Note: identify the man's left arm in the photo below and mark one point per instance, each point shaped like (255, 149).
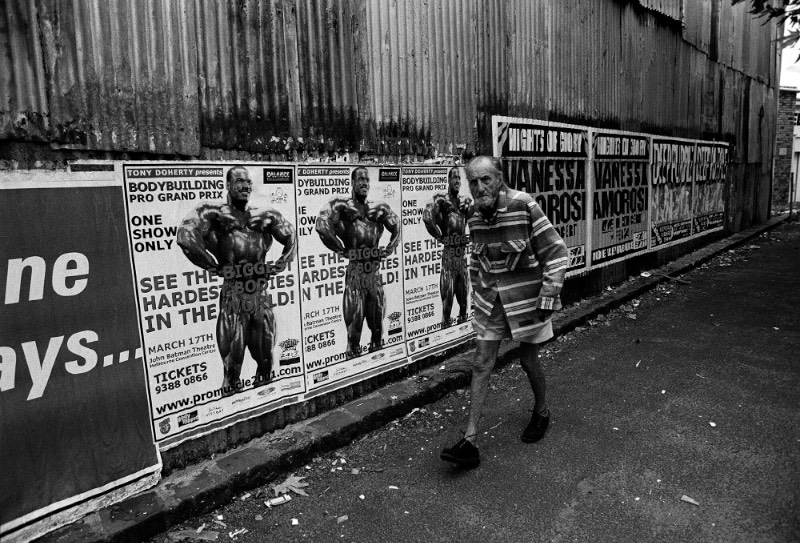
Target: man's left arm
(274, 224)
(553, 257)
(391, 222)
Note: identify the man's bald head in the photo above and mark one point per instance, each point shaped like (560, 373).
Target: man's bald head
(359, 183)
(485, 178)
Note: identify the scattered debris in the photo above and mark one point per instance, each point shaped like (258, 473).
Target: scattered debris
(192, 535)
(291, 484)
(237, 533)
(687, 499)
(245, 496)
(355, 471)
(712, 424)
(671, 278)
(341, 519)
(280, 500)
(639, 362)
(201, 528)
(701, 377)
(259, 518)
(219, 522)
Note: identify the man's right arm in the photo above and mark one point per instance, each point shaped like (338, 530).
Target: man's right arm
(192, 234)
(326, 221)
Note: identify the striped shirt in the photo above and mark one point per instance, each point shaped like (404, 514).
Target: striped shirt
(519, 256)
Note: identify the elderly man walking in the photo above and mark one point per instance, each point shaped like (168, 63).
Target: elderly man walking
(517, 270)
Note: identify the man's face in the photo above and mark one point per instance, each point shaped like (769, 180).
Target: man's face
(484, 184)
(240, 186)
(454, 182)
(360, 184)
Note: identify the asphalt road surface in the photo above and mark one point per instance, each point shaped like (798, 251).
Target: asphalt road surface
(691, 390)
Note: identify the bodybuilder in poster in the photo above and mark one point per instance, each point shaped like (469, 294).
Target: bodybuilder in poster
(445, 219)
(353, 228)
(231, 239)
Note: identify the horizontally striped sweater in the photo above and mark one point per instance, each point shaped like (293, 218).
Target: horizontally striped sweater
(518, 255)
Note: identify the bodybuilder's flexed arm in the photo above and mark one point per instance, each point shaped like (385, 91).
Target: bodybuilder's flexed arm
(195, 236)
(431, 213)
(383, 214)
(272, 224)
(327, 220)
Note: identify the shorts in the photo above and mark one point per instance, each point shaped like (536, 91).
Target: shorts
(496, 326)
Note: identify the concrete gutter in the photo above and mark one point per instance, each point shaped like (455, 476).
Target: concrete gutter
(205, 486)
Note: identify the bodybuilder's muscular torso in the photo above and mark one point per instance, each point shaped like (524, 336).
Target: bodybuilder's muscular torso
(358, 228)
(235, 237)
(451, 220)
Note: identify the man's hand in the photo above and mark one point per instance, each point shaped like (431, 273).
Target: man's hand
(543, 314)
(385, 251)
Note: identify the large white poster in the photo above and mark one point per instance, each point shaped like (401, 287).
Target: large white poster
(214, 250)
(436, 246)
(351, 279)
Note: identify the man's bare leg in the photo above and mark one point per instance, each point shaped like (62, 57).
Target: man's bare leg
(482, 365)
(540, 420)
(261, 343)
(375, 309)
(230, 341)
(461, 289)
(446, 291)
(529, 358)
(353, 312)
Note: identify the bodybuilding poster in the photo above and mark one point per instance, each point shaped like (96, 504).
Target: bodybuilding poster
(671, 191)
(73, 398)
(351, 283)
(550, 162)
(711, 163)
(620, 163)
(436, 245)
(214, 249)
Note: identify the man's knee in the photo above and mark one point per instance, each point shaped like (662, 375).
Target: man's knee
(485, 356)
(482, 365)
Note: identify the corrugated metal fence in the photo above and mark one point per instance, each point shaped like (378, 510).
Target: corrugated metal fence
(384, 77)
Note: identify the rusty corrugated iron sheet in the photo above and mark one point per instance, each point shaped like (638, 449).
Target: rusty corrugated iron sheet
(697, 23)
(23, 104)
(245, 86)
(421, 75)
(121, 74)
(385, 77)
(670, 8)
(746, 43)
